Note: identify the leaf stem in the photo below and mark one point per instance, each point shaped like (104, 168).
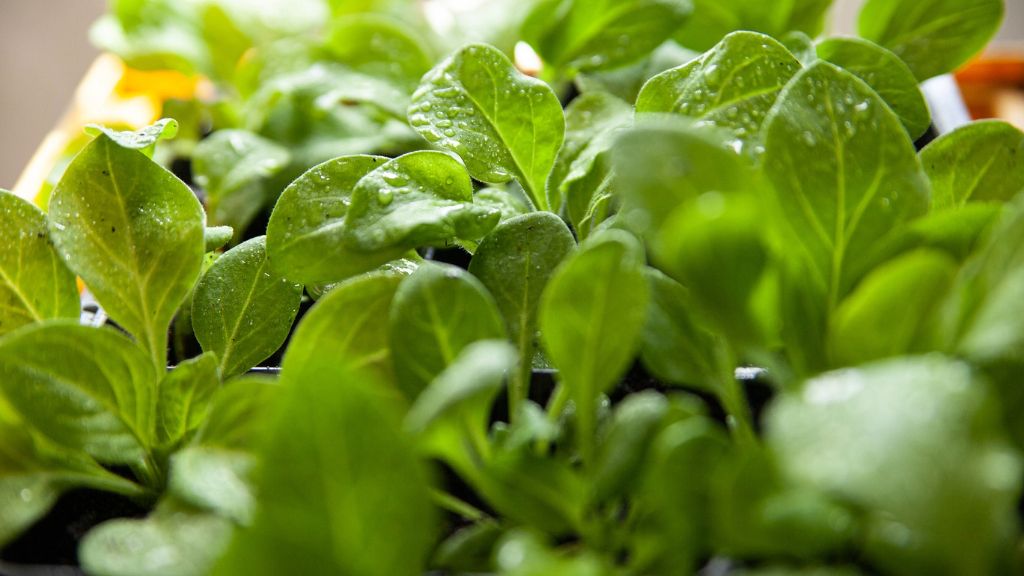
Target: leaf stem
(519, 386)
(455, 505)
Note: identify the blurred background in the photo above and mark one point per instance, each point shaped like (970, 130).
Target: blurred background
(45, 50)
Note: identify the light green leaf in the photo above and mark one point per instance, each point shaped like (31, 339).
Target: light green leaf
(800, 45)
(524, 554)
(502, 123)
(947, 502)
(214, 479)
(347, 325)
(34, 283)
(184, 398)
(865, 181)
(438, 311)
(979, 162)
(23, 501)
(592, 121)
(241, 310)
(584, 35)
(419, 199)
(508, 203)
(625, 83)
(134, 233)
(713, 19)
(238, 414)
(175, 540)
(379, 46)
(216, 237)
(932, 36)
(236, 169)
(143, 139)
(515, 263)
(733, 85)
(878, 320)
(369, 511)
(306, 239)
(886, 74)
(591, 317)
(87, 389)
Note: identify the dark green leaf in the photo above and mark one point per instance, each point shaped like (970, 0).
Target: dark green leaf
(591, 317)
(438, 311)
(306, 235)
(979, 162)
(184, 398)
(422, 198)
(947, 501)
(85, 388)
(34, 283)
(134, 233)
(503, 124)
(864, 183)
(932, 36)
(236, 169)
(585, 35)
(886, 74)
(726, 86)
(243, 311)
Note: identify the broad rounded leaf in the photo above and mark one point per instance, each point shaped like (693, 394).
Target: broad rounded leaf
(34, 283)
(503, 124)
(733, 85)
(422, 198)
(946, 502)
(865, 180)
(235, 168)
(243, 311)
(184, 398)
(591, 317)
(932, 36)
(88, 389)
(438, 311)
(979, 162)
(347, 325)
(214, 479)
(886, 74)
(306, 233)
(134, 233)
(379, 46)
(586, 35)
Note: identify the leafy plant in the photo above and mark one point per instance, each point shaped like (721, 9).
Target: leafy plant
(568, 300)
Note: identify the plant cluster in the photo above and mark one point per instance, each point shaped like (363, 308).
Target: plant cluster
(533, 306)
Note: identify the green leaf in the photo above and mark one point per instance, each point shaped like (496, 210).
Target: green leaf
(134, 233)
(238, 414)
(591, 317)
(592, 122)
(510, 204)
(34, 283)
(979, 162)
(625, 83)
(886, 74)
(515, 263)
(877, 320)
(143, 139)
(241, 310)
(23, 501)
(623, 450)
(948, 500)
(86, 389)
(932, 36)
(584, 35)
(674, 346)
(236, 169)
(438, 311)
(215, 480)
(306, 239)
(800, 45)
(726, 86)
(419, 199)
(503, 124)
(713, 19)
(864, 183)
(347, 325)
(216, 237)
(173, 541)
(524, 554)
(184, 398)
(369, 511)
(379, 46)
